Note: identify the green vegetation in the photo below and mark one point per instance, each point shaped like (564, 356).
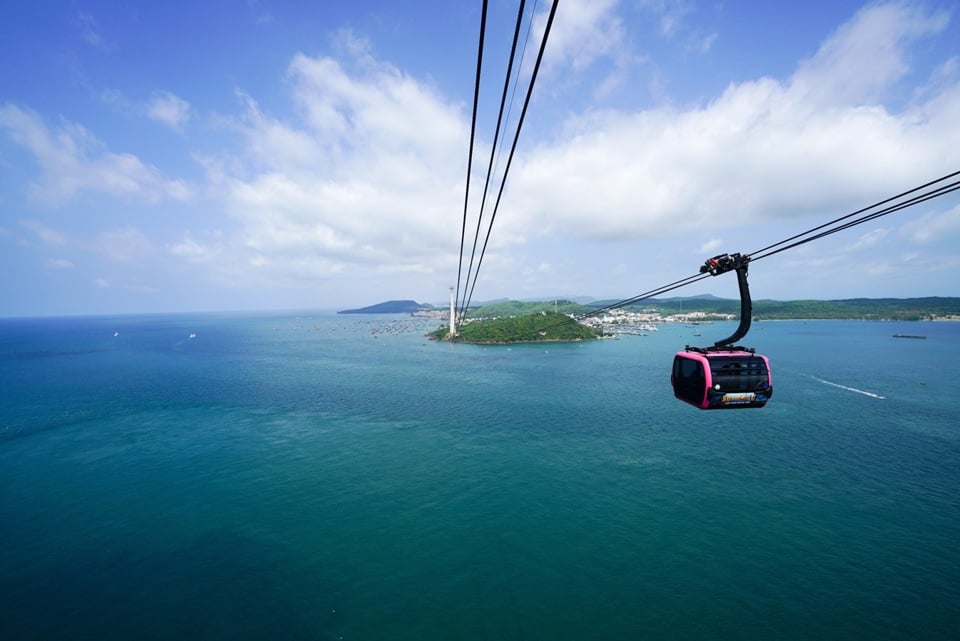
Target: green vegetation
(530, 328)
(517, 308)
(849, 309)
(530, 322)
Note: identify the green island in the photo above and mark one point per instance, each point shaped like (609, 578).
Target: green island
(538, 327)
(551, 321)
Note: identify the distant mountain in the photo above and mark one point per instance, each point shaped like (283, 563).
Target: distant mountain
(651, 302)
(852, 308)
(697, 297)
(390, 307)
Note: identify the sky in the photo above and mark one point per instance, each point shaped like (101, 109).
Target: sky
(270, 155)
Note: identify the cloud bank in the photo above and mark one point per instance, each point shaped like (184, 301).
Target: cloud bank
(355, 175)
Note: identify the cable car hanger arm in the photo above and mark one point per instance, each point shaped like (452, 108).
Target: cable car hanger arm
(720, 265)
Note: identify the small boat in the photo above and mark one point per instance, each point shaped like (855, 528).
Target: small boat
(907, 336)
(193, 335)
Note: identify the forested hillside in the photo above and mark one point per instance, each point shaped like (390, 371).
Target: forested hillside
(530, 328)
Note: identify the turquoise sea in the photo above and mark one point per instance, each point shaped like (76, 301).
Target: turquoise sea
(314, 476)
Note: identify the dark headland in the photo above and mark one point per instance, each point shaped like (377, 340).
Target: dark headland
(390, 307)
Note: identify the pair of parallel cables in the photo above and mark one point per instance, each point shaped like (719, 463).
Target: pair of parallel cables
(469, 285)
(923, 193)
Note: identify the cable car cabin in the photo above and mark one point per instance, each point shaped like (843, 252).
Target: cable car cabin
(712, 380)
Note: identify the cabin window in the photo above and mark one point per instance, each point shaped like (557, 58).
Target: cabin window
(689, 380)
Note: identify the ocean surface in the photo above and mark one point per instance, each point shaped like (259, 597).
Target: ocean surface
(314, 476)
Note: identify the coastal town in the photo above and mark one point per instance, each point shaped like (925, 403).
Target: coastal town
(615, 318)
(620, 321)
(542, 325)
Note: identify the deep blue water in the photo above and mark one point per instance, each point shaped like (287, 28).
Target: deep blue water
(342, 477)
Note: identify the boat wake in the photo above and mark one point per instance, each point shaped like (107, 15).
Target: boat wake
(849, 389)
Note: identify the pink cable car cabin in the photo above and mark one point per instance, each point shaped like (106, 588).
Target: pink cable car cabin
(724, 376)
(732, 379)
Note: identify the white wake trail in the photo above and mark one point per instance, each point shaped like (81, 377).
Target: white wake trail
(849, 389)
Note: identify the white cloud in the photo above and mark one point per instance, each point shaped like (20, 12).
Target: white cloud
(863, 59)
(59, 263)
(582, 32)
(934, 227)
(868, 240)
(369, 171)
(382, 106)
(170, 110)
(90, 31)
(47, 236)
(710, 246)
(258, 14)
(371, 175)
(73, 161)
(764, 149)
(365, 177)
(194, 252)
(671, 14)
(672, 17)
(588, 42)
(124, 245)
(703, 44)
